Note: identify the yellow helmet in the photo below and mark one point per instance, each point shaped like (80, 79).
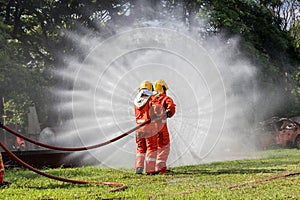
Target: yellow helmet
(146, 85)
(161, 86)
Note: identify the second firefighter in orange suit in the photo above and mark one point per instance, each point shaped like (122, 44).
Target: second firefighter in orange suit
(146, 136)
(164, 108)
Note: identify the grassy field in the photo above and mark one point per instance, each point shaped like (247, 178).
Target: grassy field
(263, 178)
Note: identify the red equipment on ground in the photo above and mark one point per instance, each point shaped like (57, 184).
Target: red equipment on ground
(286, 131)
(289, 133)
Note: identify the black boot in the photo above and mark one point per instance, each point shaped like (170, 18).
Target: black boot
(5, 183)
(139, 170)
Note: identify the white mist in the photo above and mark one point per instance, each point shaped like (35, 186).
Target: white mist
(212, 86)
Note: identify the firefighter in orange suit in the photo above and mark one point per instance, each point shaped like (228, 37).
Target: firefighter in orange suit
(146, 136)
(164, 108)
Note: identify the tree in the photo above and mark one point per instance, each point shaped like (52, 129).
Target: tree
(35, 40)
(295, 33)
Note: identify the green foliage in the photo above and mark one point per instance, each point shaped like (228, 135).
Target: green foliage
(295, 33)
(34, 39)
(16, 110)
(203, 181)
(263, 41)
(255, 23)
(18, 85)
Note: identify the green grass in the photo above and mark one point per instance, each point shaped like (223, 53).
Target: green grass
(204, 181)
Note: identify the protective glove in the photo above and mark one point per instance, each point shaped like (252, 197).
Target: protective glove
(168, 113)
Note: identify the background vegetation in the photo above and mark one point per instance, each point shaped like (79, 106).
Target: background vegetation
(34, 43)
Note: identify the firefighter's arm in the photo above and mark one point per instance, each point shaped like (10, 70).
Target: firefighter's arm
(170, 111)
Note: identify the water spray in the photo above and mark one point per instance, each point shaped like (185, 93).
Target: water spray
(104, 85)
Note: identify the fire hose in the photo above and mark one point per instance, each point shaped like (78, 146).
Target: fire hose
(73, 148)
(263, 180)
(120, 186)
(116, 184)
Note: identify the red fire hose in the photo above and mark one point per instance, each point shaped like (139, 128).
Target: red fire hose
(263, 180)
(115, 184)
(73, 148)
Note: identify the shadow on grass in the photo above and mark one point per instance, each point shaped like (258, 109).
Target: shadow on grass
(225, 171)
(64, 186)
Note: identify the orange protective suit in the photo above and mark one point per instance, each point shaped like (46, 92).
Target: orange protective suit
(165, 107)
(146, 136)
